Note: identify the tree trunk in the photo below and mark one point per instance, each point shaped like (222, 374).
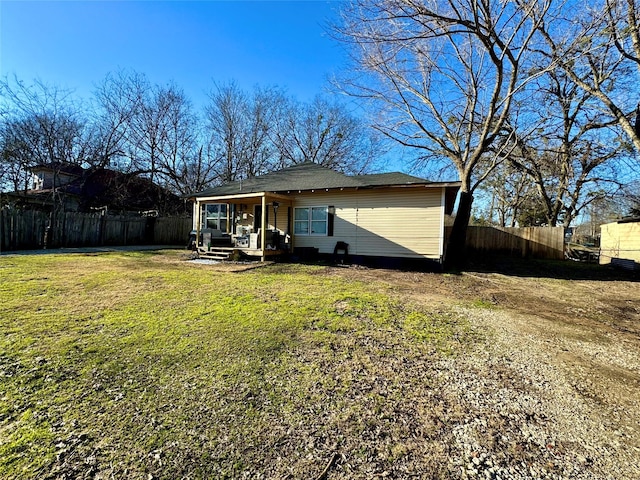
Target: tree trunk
(456, 253)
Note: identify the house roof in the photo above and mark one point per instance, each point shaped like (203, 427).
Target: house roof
(311, 176)
(391, 178)
(629, 220)
(60, 167)
(98, 187)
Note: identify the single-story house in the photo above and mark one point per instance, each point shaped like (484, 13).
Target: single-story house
(308, 208)
(620, 243)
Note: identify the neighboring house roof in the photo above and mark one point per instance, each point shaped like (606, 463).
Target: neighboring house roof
(125, 192)
(311, 176)
(98, 187)
(59, 167)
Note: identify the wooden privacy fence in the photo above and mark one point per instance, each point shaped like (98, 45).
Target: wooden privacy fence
(532, 242)
(31, 229)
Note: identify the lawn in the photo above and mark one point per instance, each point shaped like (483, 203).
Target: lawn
(142, 365)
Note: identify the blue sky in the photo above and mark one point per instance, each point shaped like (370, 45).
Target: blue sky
(74, 44)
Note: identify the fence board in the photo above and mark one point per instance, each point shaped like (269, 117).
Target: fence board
(532, 242)
(32, 229)
(171, 231)
(22, 229)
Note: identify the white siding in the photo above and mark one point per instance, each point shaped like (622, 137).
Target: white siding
(392, 222)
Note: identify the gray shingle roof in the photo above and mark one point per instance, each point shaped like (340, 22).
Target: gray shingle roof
(309, 176)
(391, 178)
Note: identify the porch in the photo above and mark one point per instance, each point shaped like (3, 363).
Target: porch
(253, 224)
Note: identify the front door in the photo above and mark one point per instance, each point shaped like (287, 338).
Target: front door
(257, 218)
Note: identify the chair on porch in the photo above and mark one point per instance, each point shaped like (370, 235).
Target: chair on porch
(275, 239)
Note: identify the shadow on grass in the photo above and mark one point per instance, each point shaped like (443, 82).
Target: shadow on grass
(560, 269)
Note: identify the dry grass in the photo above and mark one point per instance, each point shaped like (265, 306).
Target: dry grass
(139, 365)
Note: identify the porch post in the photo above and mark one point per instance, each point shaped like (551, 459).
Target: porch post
(197, 215)
(263, 228)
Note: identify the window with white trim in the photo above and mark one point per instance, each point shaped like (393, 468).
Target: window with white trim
(214, 215)
(310, 220)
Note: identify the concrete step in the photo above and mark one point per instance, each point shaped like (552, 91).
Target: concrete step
(215, 253)
(222, 258)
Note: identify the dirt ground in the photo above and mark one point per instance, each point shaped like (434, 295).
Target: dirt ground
(581, 322)
(560, 371)
(553, 391)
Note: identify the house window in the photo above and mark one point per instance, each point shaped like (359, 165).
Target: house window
(214, 215)
(38, 182)
(310, 221)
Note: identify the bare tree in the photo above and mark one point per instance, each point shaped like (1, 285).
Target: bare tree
(326, 133)
(624, 30)
(630, 199)
(508, 190)
(242, 129)
(257, 151)
(179, 161)
(117, 100)
(198, 172)
(150, 130)
(46, 119)
(598, 48)
(255, 133)
(444, 74)
(39, 125)
(571, 156)
(15, 160)
(225, 122)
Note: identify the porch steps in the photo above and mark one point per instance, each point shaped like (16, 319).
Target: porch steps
(216, 253)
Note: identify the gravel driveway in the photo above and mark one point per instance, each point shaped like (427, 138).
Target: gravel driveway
(554, 392)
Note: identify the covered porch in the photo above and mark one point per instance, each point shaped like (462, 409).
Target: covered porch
(253, 224)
